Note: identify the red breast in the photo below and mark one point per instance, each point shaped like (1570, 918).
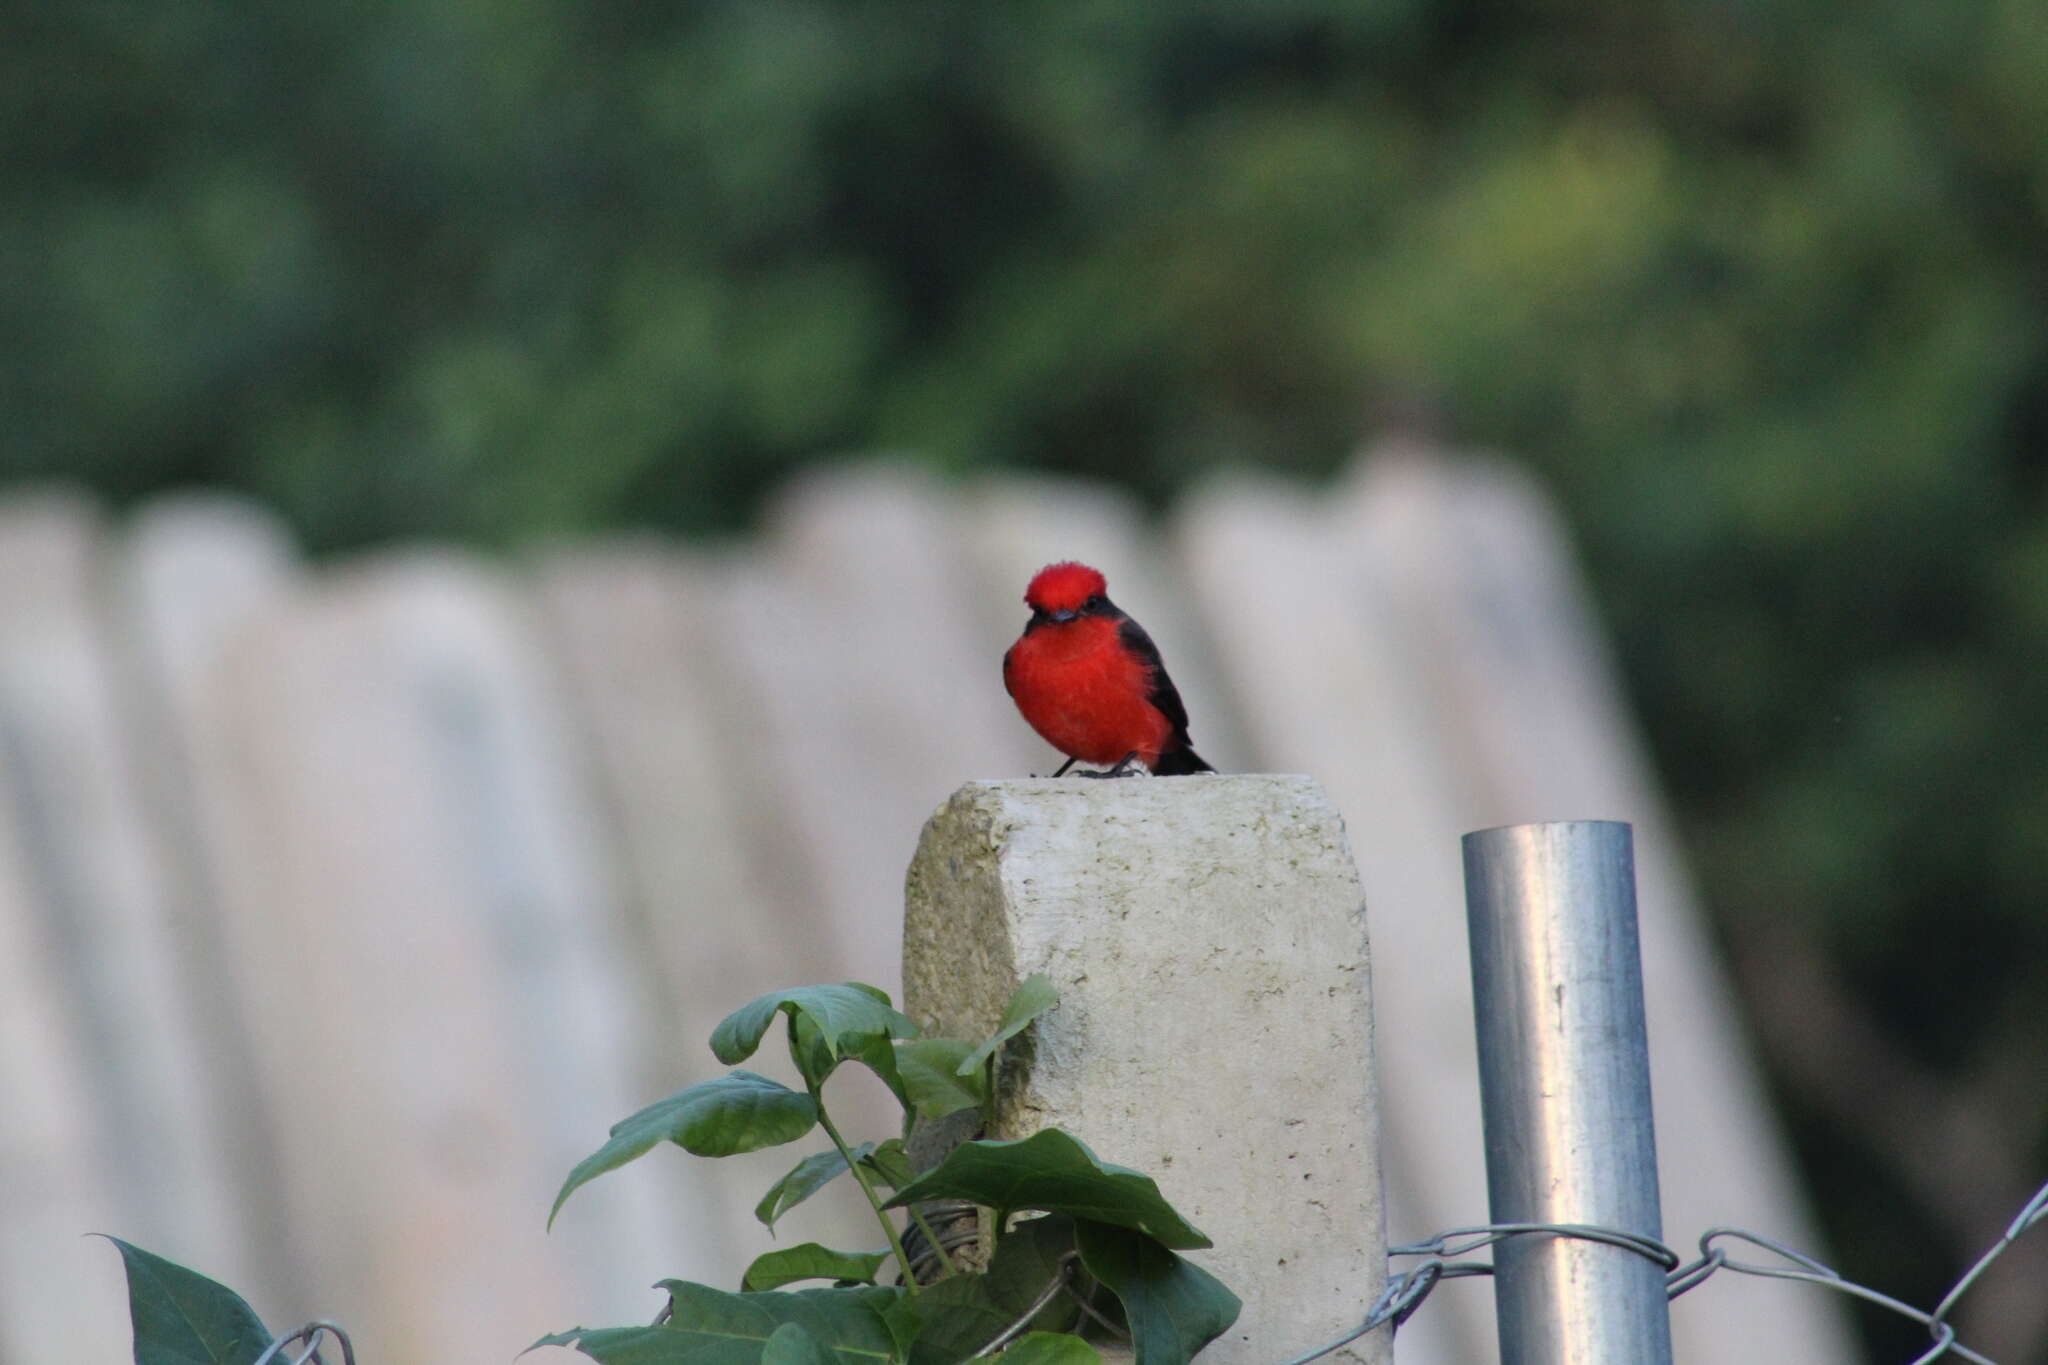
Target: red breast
(1085, 692)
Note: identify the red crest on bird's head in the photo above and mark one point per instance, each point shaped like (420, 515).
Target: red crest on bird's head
(1063, 587)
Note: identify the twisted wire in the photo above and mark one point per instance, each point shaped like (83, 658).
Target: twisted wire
(1406, 1290)
(308, 1338)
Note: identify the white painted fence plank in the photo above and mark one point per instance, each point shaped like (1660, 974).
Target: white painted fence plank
(61, 1294)
(189, 575)
(194, 571)
(93, 888)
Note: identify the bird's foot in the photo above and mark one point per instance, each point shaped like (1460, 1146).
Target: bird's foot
(1127, 766)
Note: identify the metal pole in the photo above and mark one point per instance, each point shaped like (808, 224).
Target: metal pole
(1564, 1081)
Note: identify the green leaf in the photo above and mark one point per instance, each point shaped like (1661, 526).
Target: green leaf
(902, 1320)
(1048, 1348)
(790, 1344)
(874, 992)
(890, 1163)
(963, 1314)
(183, 1318)
(877, 1052)
(805, 1179)
(1032, 998)
(1173, 1307)
(774, 1269)
(708, 1326)
(738, 1112)
(1056, 1173)
(815, 1060)
(956, 1318)
(934, 1083)
(845, 1017)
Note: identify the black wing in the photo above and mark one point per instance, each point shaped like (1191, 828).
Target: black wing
(1164, 694)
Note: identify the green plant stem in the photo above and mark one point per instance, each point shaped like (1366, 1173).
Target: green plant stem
(945, 1261)
(867, 1188)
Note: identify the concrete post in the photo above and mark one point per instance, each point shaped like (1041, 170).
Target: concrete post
(1207, 937)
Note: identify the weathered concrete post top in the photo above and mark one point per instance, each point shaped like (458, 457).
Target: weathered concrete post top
(1207, 937)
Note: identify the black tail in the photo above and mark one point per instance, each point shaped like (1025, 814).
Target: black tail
(1179, 763)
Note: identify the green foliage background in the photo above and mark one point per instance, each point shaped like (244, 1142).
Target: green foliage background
(1760, 287)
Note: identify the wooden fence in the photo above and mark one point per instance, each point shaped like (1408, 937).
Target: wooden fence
(343, 908)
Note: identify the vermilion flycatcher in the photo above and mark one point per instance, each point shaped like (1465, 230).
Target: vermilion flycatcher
(1088, 678)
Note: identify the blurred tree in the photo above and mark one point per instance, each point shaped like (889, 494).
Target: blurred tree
(1760, 286)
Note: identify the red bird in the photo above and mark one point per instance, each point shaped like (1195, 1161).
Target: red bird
(1088, 678)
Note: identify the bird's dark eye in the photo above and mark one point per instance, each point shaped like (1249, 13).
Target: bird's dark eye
(1092, 603)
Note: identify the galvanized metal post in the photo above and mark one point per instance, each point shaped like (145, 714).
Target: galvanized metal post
(1564, 1078)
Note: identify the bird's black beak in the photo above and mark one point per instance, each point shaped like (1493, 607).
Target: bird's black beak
(1063, 615)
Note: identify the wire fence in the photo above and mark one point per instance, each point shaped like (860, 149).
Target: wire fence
(308, 1340)
(1406, 1291)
